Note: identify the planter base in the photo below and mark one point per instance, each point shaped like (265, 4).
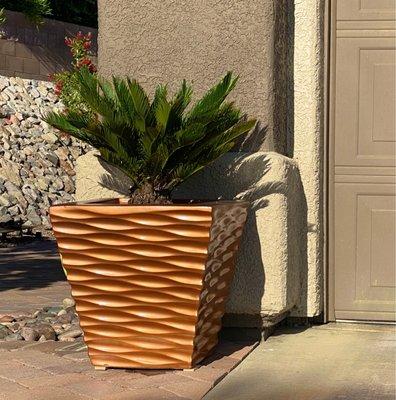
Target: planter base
(150, 282)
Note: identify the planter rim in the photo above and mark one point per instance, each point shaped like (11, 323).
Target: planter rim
(123, 201)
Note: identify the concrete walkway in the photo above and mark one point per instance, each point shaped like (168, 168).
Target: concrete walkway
(329, 362)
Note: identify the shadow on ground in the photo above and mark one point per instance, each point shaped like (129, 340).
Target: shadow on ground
(31, 266)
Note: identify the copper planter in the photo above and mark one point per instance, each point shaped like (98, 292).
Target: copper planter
(150, 282)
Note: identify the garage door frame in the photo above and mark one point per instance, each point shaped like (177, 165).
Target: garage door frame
(329, 153)
(329, 84)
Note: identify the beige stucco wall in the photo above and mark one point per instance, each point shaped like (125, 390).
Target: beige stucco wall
(309, 136)
(166, 41)
(275, 46)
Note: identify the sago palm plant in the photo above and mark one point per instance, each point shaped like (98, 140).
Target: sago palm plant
(157, 143)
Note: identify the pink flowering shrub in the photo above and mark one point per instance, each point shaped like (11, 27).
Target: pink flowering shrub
(65, 81)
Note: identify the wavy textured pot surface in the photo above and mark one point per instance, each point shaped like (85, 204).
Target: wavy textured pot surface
(150, 282)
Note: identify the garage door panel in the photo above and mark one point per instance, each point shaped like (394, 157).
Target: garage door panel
(364, 248)
(365, 102)
(366, 10)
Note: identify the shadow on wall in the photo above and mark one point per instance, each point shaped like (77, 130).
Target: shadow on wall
(226, 179)
(287, 192)
(271, 274)
(254, 140)
(283, 115)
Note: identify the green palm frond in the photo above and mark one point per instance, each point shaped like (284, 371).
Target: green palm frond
(158, 141)
(162, 112)
(213, 99)
(139, 98)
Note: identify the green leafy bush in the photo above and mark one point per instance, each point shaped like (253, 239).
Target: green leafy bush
(157, 143)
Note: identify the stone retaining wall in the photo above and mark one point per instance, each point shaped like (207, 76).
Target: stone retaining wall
(36, 165)
(28, 52)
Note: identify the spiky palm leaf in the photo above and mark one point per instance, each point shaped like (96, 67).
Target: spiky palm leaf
(156, 142)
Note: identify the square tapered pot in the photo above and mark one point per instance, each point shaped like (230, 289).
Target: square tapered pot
(150, 282)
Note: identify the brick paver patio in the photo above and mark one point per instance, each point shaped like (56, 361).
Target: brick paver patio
(30, 278)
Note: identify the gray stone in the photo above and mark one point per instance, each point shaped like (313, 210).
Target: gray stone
(29, 334)
(14, 210)
(57, 328)
(13, 336)
(42, 90)
(3, 83)
(62, 153)
(69, 185)
(28, 151)
(4, 331)
(53, 158)
(45, 330)
(10, 171)
(65, 318)
(7, 318)
(6, 144)
(34, 218)
(57, 184)
(15, 327)
(75, 152)
(43, 183)
(46, 223)
(68, 302)
(54, 310)
(15, 193)
(34, 93)
(50, 137)
(4, 200)
(70, 334)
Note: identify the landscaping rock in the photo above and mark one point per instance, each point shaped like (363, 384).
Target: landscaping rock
(70, 334)
(48, 323)
(68, 302)
(29, 334)
(13, 337)
(54, 310)
(65, 318)
(46, 330)
(36, 161)
(6, 318)
(4, 331)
